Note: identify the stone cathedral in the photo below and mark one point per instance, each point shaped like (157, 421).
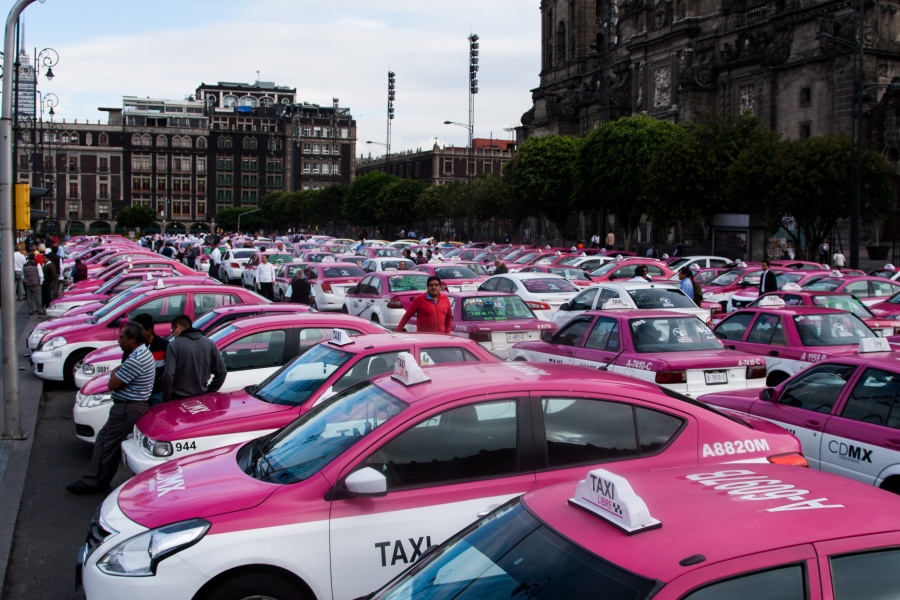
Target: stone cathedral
(792, 63)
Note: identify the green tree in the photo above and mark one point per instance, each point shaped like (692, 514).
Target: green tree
(397, 202)
(140, 217)
(227, 219)
(438, 203)
(542, 176)
(612, 167)
(361, 199)
(810, 180)
(688, 175)
(494, 201)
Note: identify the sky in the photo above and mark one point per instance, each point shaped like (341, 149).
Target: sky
(166, 48)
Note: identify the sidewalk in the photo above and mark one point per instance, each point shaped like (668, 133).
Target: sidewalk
(15, 454)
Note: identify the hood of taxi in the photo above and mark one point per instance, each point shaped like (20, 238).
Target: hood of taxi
(98, 384)
(82, 332)
(62, 322)
(84, 311)
(213, 414)
(79, 298)
(201, 485)
(104, 355)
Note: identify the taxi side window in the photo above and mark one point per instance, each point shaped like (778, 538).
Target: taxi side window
(490, 285)
(366, 368)
(163, 310)
(733, 328)
(374, 286)
(475, 441)
(867, 576)
(784, 583)
(874, 399)
(604, 335)
(584, 300)
(579, 430)
(437, 356)
(368, 266)
(505, 285)
(860, 289)
(882, 288)
(572, 334)
(264, 349)
(767, 330)
(310, 336)
(817, 388)
(203, 303)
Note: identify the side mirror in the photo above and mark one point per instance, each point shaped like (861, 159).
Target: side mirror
(564, 306)
(366, 482)
(768, 394)
(547, 336)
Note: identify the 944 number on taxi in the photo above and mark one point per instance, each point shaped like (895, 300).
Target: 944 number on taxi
(184, 446)
(735, 447)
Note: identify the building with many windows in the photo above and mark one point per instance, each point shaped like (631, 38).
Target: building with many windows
(227, 146)
(443, 165)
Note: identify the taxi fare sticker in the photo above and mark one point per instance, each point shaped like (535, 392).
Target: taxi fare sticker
(747, 485)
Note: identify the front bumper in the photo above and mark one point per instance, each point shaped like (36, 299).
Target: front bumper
(49, 364)
(89, 421)
(136, 459)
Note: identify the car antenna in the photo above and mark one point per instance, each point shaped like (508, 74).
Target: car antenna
(615, 358)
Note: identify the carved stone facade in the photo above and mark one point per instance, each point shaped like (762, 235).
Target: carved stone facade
(677, 59)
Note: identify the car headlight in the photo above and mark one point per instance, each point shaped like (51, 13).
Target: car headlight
(54, 343)
(707, 294)
(93, 400)
(160, 448)
(87, 369)
(140, 555)
(39, 333)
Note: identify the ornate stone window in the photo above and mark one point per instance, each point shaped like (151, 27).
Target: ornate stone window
(662, 86)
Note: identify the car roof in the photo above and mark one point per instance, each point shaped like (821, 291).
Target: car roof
(641, 313)
(299, 317)
(736, 525)
(793, 310)
(450, 380)
(530, 275)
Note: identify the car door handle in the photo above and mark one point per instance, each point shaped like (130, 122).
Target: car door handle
(811, 423)
(891, 443)
(773, 353)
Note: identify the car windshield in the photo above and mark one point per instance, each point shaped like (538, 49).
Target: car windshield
(678, 263)
(117, 301)
(479, 270)
(845, 302)
(236, 254)
(549, 285)
(205, 320)
(835, 329)
(728, 277)
(309, 443)
(510, 554)
(407, 283)
(392, 252)
(221, 332)
(572, 273)
(278, 258)
(704, 277)
(293, 384)
(604, 269)
(824, 285)
(672, 334)
(455, 273)
(343, 271)
(526, 258)
(782, 278)
(661, 298)
(495, 308)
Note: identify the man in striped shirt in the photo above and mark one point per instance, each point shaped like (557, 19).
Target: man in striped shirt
(131, 384)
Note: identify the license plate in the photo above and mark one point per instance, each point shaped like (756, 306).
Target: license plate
(716, 377)
(516, 337)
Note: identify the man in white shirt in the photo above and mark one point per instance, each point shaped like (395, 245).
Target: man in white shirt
(265, 277)
(19, 262)
(215, 257)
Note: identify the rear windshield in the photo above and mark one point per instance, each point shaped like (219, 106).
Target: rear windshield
(407, 283)
(847, 303)
(549, 285)
(661, 298)
(345, 271)
(243, 253)
(399, 265)
(495, 308)
(672, 334)
(831, 329)
(455, 273)
(824, 285)
(572, 273)
(277, 259)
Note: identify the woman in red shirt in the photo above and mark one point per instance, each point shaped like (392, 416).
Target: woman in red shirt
(432, 310)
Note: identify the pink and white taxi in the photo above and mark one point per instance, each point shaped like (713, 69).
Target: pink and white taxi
(773, 532)
(384, 296)
(454, 277)
(791, 338)
(543, 293)
(676, 351)
(109, 289)
(61, 349)
(97, 279)
(340, 500)
(845, 412)
(329, 282)
(176, 429)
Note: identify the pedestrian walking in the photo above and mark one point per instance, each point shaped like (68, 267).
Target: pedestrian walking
(191, 359)
(838, 260)
(689, 285)
(131, 384)
(652, 252)
(595, 240)
(19, 262)
(50, 285)
(33, 277)
(431, 309)
(190, 257)
(265, 277)
(610, 240)
(79, 271)
(767, 282)
(157, 346)
(215, 258)
(499, 267)
(299, 290)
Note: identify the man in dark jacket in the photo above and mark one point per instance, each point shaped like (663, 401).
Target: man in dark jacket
(191, 360)
(157, 346)
(80, 272)
(767, 281)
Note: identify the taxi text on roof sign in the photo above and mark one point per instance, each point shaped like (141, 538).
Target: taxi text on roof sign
(407, 371)
(615, 303)
(771, 302)
(339, 337)
(610, 497)
(874, 345)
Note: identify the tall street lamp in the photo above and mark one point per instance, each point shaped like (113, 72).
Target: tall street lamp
(859, 77)
(470, 164)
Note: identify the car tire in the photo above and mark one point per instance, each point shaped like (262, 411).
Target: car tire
(345, 310)
(374, 319)
(281, 296)
(252, 586)
(892, 485)
(75, 359)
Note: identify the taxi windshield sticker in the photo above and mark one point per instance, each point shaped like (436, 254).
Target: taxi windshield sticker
(498, 308)
(407, 283)
(548, 286)
(681, 336)
(342, 272)
(277, 259)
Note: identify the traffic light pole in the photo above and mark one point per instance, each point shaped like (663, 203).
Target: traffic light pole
(12, 426)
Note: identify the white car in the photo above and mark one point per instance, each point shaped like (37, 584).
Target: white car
(543, 293)
(588, 263)
(388, 263)
(329, 282)
(384, 296)
(632, 294)
(232, 266)
(700, 262)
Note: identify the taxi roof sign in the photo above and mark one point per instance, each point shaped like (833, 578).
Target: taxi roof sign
(875, 344)
(340, 337)
(791, 287)
(407, 371)
(610, 497)
(771, 302)
(328, 259)
(159, 285)
(150, 277)
(615, 303)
